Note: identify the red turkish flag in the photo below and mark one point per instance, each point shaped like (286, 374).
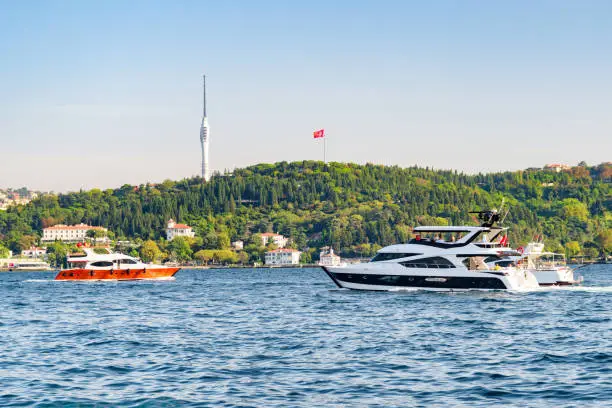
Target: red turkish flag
(504, 241)
(318, 133)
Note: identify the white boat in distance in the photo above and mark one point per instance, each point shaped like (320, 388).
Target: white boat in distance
(448, 260)
(549, 268)
(28, 265)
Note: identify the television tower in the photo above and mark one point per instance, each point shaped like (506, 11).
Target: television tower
(204, 133)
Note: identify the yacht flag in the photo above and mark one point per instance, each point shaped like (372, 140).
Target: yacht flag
(504, 241)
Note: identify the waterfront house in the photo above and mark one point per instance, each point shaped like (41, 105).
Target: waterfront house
(34, 252)
(283, 256)
(178, 230)
(328, 258)
(69, 233)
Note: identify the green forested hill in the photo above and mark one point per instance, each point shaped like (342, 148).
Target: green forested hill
(354, 207)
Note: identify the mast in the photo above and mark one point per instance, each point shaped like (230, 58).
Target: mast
(204, 133)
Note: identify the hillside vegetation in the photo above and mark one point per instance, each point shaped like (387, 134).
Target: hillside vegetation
(356, 208)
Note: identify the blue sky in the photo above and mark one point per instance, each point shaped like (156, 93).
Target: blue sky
(99, 94)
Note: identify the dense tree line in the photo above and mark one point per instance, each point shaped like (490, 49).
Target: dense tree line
(355, 208)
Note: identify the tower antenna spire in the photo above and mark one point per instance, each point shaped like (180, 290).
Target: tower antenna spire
(204, 96)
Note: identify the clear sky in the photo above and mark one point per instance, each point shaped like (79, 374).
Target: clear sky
(103, 93)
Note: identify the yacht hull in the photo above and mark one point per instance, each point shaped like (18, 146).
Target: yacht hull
(428, 279)
(556, 277)
(116, 274)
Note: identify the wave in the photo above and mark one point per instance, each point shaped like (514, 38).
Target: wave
(91, 281)
(595, 289)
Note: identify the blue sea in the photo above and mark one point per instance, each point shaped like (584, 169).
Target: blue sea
(290, 338)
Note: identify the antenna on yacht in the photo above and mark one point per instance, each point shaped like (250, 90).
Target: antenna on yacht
(505, 215)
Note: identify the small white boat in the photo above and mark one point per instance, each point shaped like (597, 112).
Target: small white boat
(549, 268)
(28, 265)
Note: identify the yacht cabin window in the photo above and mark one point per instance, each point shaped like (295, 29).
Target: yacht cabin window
(388, 256)
(125, 261)
(102, 263)
(434, 262)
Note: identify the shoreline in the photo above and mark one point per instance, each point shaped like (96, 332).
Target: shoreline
(198, 267)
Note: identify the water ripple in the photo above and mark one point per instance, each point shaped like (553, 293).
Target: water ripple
(281, 337)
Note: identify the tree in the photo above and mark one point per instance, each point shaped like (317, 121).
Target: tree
(4, 252)
(572, 248)
(371, 203)
(574, 208)
(180, 249)
(604, 241)
(226, 256)
(204, 255)
(149, 251)
(95, 234)
(57, 254)
(210, 241)
(255, 240)
(243, 257)
(26, 242)
(223, 240)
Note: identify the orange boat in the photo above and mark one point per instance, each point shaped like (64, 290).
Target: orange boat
(112, 266)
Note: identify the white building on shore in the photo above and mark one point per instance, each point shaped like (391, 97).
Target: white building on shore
(279, 240)
(174, 230)
(283, 256)
(328, 258)
(34, 252)
(69, 233)
(556, 167)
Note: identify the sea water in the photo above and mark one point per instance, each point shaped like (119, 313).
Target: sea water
(290, 338)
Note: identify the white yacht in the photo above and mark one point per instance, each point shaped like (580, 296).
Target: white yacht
(439, 259)
(549, 268)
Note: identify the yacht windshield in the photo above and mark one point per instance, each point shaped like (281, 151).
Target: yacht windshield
(475, 263)
(388, 256)
(126, 261)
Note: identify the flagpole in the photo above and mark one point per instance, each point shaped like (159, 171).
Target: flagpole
(318, 134)
(324, 149)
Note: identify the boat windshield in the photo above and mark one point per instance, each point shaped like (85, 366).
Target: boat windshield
(448, 237)
(546, 261)
(126, 261)
(388, 256)
(475, 263)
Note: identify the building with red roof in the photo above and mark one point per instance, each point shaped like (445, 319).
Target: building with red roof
(178, 230)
